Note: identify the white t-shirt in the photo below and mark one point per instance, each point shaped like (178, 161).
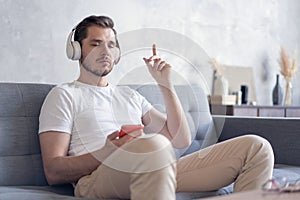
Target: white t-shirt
(90, 113)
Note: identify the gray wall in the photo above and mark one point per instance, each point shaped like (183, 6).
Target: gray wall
(236, 32)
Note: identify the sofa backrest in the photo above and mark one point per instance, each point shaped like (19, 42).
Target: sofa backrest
(195, 105)
(20, 103)
(20, 158)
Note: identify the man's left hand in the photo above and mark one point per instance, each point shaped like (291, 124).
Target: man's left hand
(158, 68)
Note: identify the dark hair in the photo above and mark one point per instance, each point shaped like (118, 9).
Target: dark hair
(102, 21)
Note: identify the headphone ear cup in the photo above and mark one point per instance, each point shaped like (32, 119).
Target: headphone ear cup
(73, 48)
(76, 50)
(69, 46)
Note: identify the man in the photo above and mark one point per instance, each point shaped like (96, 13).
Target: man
(80, 123)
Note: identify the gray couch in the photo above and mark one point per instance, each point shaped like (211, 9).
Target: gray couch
(21, 169)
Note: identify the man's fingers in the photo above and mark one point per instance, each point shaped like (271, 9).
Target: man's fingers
(154, 50)
(153, 61)
(113, 136)
(161, 65)
(146, 60)
(157, 63)
(151, 58)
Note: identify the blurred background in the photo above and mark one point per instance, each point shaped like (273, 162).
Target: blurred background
(235, 32)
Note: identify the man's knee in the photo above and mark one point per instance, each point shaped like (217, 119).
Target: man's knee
(149, 143)
(142, 155)
(259, 146)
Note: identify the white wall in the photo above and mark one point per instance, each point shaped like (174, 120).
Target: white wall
(236, 32)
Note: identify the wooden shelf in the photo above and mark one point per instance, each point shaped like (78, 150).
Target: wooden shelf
(257, 111)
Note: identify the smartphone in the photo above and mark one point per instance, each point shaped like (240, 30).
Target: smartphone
(125, 129)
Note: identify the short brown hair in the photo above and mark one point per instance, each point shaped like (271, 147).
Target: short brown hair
(102, 21)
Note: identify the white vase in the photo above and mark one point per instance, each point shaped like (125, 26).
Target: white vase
(220, 86)
(288, 94)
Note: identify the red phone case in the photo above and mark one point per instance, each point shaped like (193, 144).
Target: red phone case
(125, 129)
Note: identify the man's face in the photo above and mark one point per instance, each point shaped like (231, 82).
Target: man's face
(99, 51)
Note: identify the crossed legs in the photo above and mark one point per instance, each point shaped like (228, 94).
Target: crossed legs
(247, 161)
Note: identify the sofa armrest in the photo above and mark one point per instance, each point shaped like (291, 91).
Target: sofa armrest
(282, 133)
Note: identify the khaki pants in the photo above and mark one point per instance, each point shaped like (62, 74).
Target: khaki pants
(247, 161)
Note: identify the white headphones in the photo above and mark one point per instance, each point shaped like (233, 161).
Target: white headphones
(73, 48)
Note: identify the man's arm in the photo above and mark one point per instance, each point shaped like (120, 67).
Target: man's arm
(60, 168)
(175, 126)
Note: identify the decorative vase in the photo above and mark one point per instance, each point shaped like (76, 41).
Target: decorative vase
(288, 93)
(277, 92)
(220, 86)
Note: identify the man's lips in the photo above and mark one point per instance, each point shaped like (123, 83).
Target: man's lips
(100, 60)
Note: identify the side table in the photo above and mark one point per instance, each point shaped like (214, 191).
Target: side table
(256, 111)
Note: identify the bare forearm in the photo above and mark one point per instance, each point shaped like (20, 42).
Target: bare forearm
(60, 168)
(176, 120)
(70, 168)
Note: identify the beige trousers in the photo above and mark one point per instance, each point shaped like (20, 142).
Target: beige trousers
(247, 161)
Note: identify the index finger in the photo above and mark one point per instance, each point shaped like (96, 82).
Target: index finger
(154, 50)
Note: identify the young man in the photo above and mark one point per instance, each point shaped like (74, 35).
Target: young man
(80, 123)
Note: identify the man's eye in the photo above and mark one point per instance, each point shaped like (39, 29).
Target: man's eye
(111, 45)
(95, 44)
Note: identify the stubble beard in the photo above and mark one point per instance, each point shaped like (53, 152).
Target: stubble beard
(98, 73)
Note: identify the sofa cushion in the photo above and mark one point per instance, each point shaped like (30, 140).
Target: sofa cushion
(22, 170)
(20, 159)
(36, 193)
(291, 173)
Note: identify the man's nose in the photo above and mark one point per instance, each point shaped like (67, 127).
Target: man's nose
(105, 50)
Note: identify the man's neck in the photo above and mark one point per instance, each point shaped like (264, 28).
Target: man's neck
(95, 81)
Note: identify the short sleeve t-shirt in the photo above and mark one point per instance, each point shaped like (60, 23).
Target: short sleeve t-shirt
(90, 113)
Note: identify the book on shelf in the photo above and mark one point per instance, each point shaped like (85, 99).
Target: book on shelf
(222, 99)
